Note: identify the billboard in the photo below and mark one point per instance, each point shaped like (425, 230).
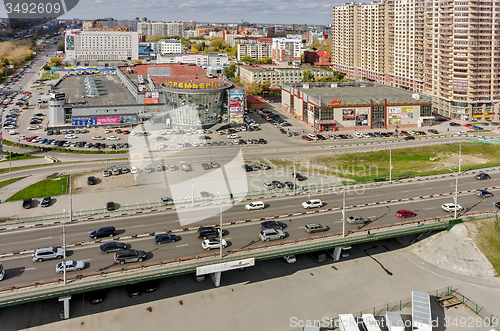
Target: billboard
(236, 106)
(70, 42)
(108, 120)
(398, 113)
(225, 266)
(151, 98)
(84, 121)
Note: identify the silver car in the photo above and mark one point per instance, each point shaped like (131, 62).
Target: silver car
(70, 266)
(271, 234)
(47, 253)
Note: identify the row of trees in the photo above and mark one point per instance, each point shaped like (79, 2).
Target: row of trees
(13, 54)
(249, 59)
(334, 77)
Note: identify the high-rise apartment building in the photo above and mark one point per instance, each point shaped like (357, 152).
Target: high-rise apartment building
(448, 49)
(286, 50)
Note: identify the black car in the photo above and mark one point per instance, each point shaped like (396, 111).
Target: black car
(135, 289)
(129, 255)
(96, 297)
(27, 203)
(497, 204)
(262, 141)
(107, 231)
(299, 177)
(321, 137)
(482, 176)
(454, 124)
(207, 232)
(45, 202)
(272, 225)
(205, 194)
(206, 166)
(91, 180)
(289, 184)
(247, 167)
(277, 184)
(111, 247)
(165, 238)
(110, 206)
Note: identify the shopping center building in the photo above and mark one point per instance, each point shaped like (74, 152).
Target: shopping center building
(355, 106)
(178, 94)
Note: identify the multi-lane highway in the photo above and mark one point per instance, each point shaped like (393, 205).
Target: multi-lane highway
(21, 269)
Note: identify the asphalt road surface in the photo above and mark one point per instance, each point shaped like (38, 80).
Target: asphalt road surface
(23, 270)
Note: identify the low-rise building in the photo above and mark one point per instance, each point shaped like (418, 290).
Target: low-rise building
(170, 46)
(277, 75)
(352, 106)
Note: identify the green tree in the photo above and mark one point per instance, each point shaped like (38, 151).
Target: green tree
(247, 58)
(230, 72)
(254, 88)
(46, 67)
(307, 76)
(265, 87)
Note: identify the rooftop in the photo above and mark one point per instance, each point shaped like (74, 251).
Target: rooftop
(179, 73)
(356, 93)
(111, 92)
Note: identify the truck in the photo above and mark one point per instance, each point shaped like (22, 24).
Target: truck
(347, 322)
(184, 166)
(319, 257)
(393, 321)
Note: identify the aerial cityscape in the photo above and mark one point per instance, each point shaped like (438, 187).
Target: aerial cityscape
(250, 166)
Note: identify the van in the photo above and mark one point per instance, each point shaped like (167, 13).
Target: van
(115, 171)
(255, 205)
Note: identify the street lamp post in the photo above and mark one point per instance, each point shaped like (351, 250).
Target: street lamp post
(10, 165)
(220, 225)
(456, 192)
(343, 209)
(294, 173)
(192, 187)
(106, 151)
(390, 165)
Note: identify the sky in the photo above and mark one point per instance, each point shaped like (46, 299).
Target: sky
(312, 12)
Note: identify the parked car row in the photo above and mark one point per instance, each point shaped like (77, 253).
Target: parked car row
(68, 143)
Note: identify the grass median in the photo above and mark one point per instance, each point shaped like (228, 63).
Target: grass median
(10, 181)
(406, 162)
(47, 187)
(17, 157)
(487, 238)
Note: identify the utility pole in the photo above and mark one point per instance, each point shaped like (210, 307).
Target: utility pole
(343, 209)
(10, 165)
(390, 166)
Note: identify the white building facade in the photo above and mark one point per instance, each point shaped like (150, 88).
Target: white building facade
(101, 45)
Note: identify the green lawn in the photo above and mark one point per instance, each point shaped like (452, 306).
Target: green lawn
(49, 76)
(406, 162)
(17, 157)
(10, 181)
(488, 241)
(47, 187)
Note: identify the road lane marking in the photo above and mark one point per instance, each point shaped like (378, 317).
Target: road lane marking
(29, 269)
(182, 245)
(86, 260)
(45, 238)
(136, 226)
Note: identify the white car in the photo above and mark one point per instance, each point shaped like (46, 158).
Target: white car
(133, 170)
(451, 207)
(290, 258)
(113, 138)
(70, 136)
(313, 203)
(233, 136)
(12, 132)
(195, 144)
(357, 135)
(97, 138)
(70, 266)
(106, 130)
(208, 244)
(33, 127)
(200, 131)
(83, 130)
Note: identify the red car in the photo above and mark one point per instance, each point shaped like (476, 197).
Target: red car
(405, 133)
(306, 138)
(31, 138)
(403, 213)
(126, 131)
(467, 125)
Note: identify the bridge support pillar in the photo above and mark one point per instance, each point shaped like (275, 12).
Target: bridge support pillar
(65, 312)
(216, 278)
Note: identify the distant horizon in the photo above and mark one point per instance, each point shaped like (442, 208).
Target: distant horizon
(312, 12)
